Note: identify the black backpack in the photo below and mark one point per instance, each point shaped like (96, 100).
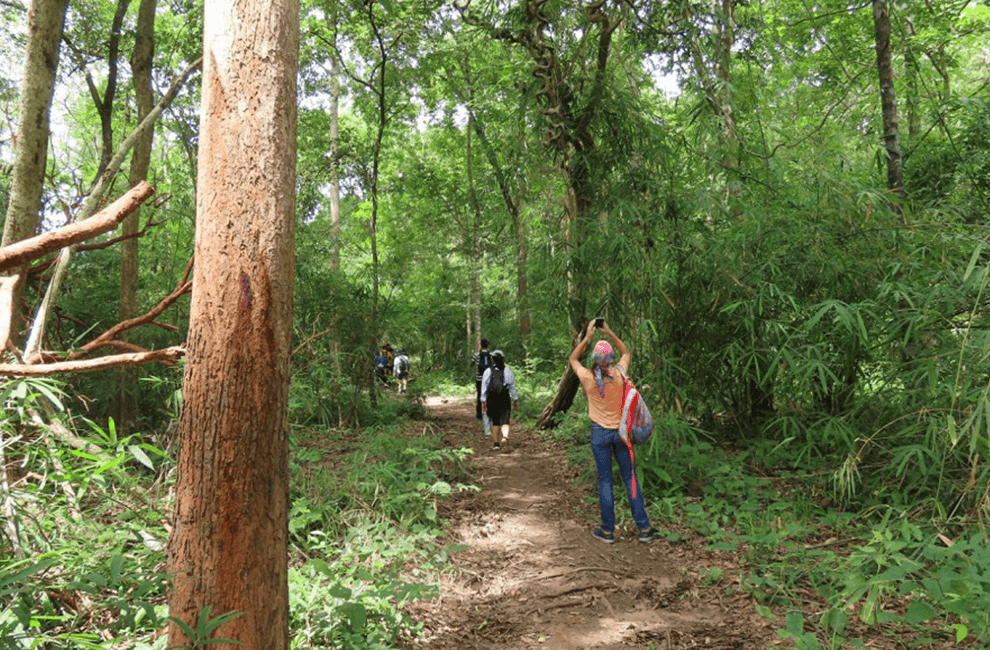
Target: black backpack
(496, 384)
(484, 361)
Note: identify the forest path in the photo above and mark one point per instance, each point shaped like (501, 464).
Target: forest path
(534, 577)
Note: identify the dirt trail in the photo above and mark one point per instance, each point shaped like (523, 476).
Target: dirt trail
(533, 577)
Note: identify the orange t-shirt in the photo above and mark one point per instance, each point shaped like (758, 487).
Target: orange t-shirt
(607, 411)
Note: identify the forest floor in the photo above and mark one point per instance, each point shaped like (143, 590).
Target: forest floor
(533, 576)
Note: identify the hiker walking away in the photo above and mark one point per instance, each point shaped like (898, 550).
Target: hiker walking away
(498, 396)
(381, 363)
(401, 369)
(603, 384)
(482, 360)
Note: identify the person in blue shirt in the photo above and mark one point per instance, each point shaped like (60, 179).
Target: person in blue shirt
(498, 396)
(381, 363)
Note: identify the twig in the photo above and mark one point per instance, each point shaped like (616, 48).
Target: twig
(830, 542)
(309, 341)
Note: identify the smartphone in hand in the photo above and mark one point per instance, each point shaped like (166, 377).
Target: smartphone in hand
(599, 322)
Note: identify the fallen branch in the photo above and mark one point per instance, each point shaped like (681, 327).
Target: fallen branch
(109, 338)
(61, 433)
(22, 252)
(544, 598)
(165, 355)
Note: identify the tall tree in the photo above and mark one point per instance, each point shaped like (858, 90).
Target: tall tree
(105, 104)
(141, 60)
(474, 302)
(45, 23)
(378, 35)
(570, 53)
(228, 546)
(888, 102)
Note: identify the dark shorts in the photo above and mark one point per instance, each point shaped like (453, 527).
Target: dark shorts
(500, 410)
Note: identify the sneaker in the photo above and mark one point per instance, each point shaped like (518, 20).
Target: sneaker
(604, 535)
(505, 444)
(495, 446)
(648, 535)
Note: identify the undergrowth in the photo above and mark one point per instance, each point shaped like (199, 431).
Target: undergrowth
(828, 575)
(82, 547)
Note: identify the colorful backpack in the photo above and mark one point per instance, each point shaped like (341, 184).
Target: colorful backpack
(636, 425)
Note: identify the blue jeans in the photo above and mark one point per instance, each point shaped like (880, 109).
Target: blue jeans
(605, 443)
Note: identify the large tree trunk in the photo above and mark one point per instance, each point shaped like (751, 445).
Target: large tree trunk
(45, 22)
(141, 59)
(228, 546)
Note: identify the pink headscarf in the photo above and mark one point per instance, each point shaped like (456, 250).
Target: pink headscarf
(601, 358)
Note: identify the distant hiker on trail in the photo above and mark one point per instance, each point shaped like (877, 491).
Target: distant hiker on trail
(482, 361)
(389, 353)
(498, 396)
(401, 368)
(381, 365)
(603, 385)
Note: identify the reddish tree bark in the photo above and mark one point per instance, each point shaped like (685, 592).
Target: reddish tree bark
(228, 546)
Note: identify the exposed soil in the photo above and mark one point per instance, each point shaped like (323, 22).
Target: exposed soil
(534, 577)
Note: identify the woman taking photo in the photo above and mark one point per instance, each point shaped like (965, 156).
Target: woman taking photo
(602, 385)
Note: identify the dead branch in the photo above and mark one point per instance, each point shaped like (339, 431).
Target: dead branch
(62, 434)
(24, 251)
(169, 327)
(165, 355)
(309, 341)
(124, 346)
(109, 337)
(110, 242)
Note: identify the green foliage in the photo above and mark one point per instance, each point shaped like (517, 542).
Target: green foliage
(797, 324)
(205, 627)
(355, 597)
(385, 475)
(21, 395)
(359, 516)
(939, 577)
(363, 524)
